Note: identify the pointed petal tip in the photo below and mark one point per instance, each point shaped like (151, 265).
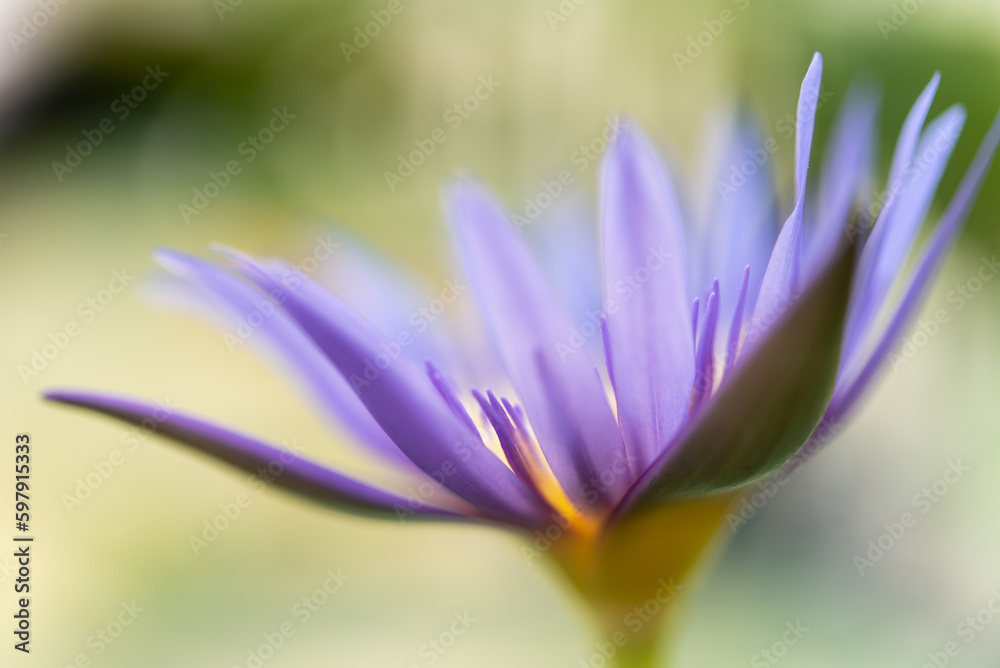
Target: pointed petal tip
(300, 474)
(628, 141)
(163, 251)
(457, 182)
(815, 70)
(175, 261)
(865, 92)
(245, 265)
(464, 183)
(85, 398)
(465, 199)
(77, 397)
(932, 86)
(57, 395)
(227, 250)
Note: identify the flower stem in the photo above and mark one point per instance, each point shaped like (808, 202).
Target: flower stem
(640, 653)
(632, 575)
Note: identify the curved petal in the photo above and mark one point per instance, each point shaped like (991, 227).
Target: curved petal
(564, 238)
(847, 172)
(743, 221)
(395, 301)
(296, 474)
(890, 242)
(553, 376)
(767, 406)
(909, 134)
(932, 156)
(859, 313)
(260, 319)
(403, 401)
(645, 288)
(705, 354)
(849, 389)
(736, 326)
(781, 278)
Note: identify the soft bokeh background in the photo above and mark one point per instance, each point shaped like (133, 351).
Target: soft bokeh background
(60, 241)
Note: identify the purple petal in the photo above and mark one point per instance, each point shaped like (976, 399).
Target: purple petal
(282, 337)
(849, 389)
(890, 242)
(805, 119)
(736, 326)
(705, 357)
(564, 237)
(909, 134)
(645, 279)
(766, 408)
(532, 332)
(932, 156)
(606, 340)
(446, 388)
(297, 474)
(695, 306)
(389, 298)
(860, 312)
(505, 432)
(847, 171)
(743, 220)
(403, 401)
(781, 279)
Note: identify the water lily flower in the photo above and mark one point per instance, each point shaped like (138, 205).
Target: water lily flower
(723, 349)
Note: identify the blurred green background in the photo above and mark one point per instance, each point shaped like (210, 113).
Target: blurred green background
(562, 72)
